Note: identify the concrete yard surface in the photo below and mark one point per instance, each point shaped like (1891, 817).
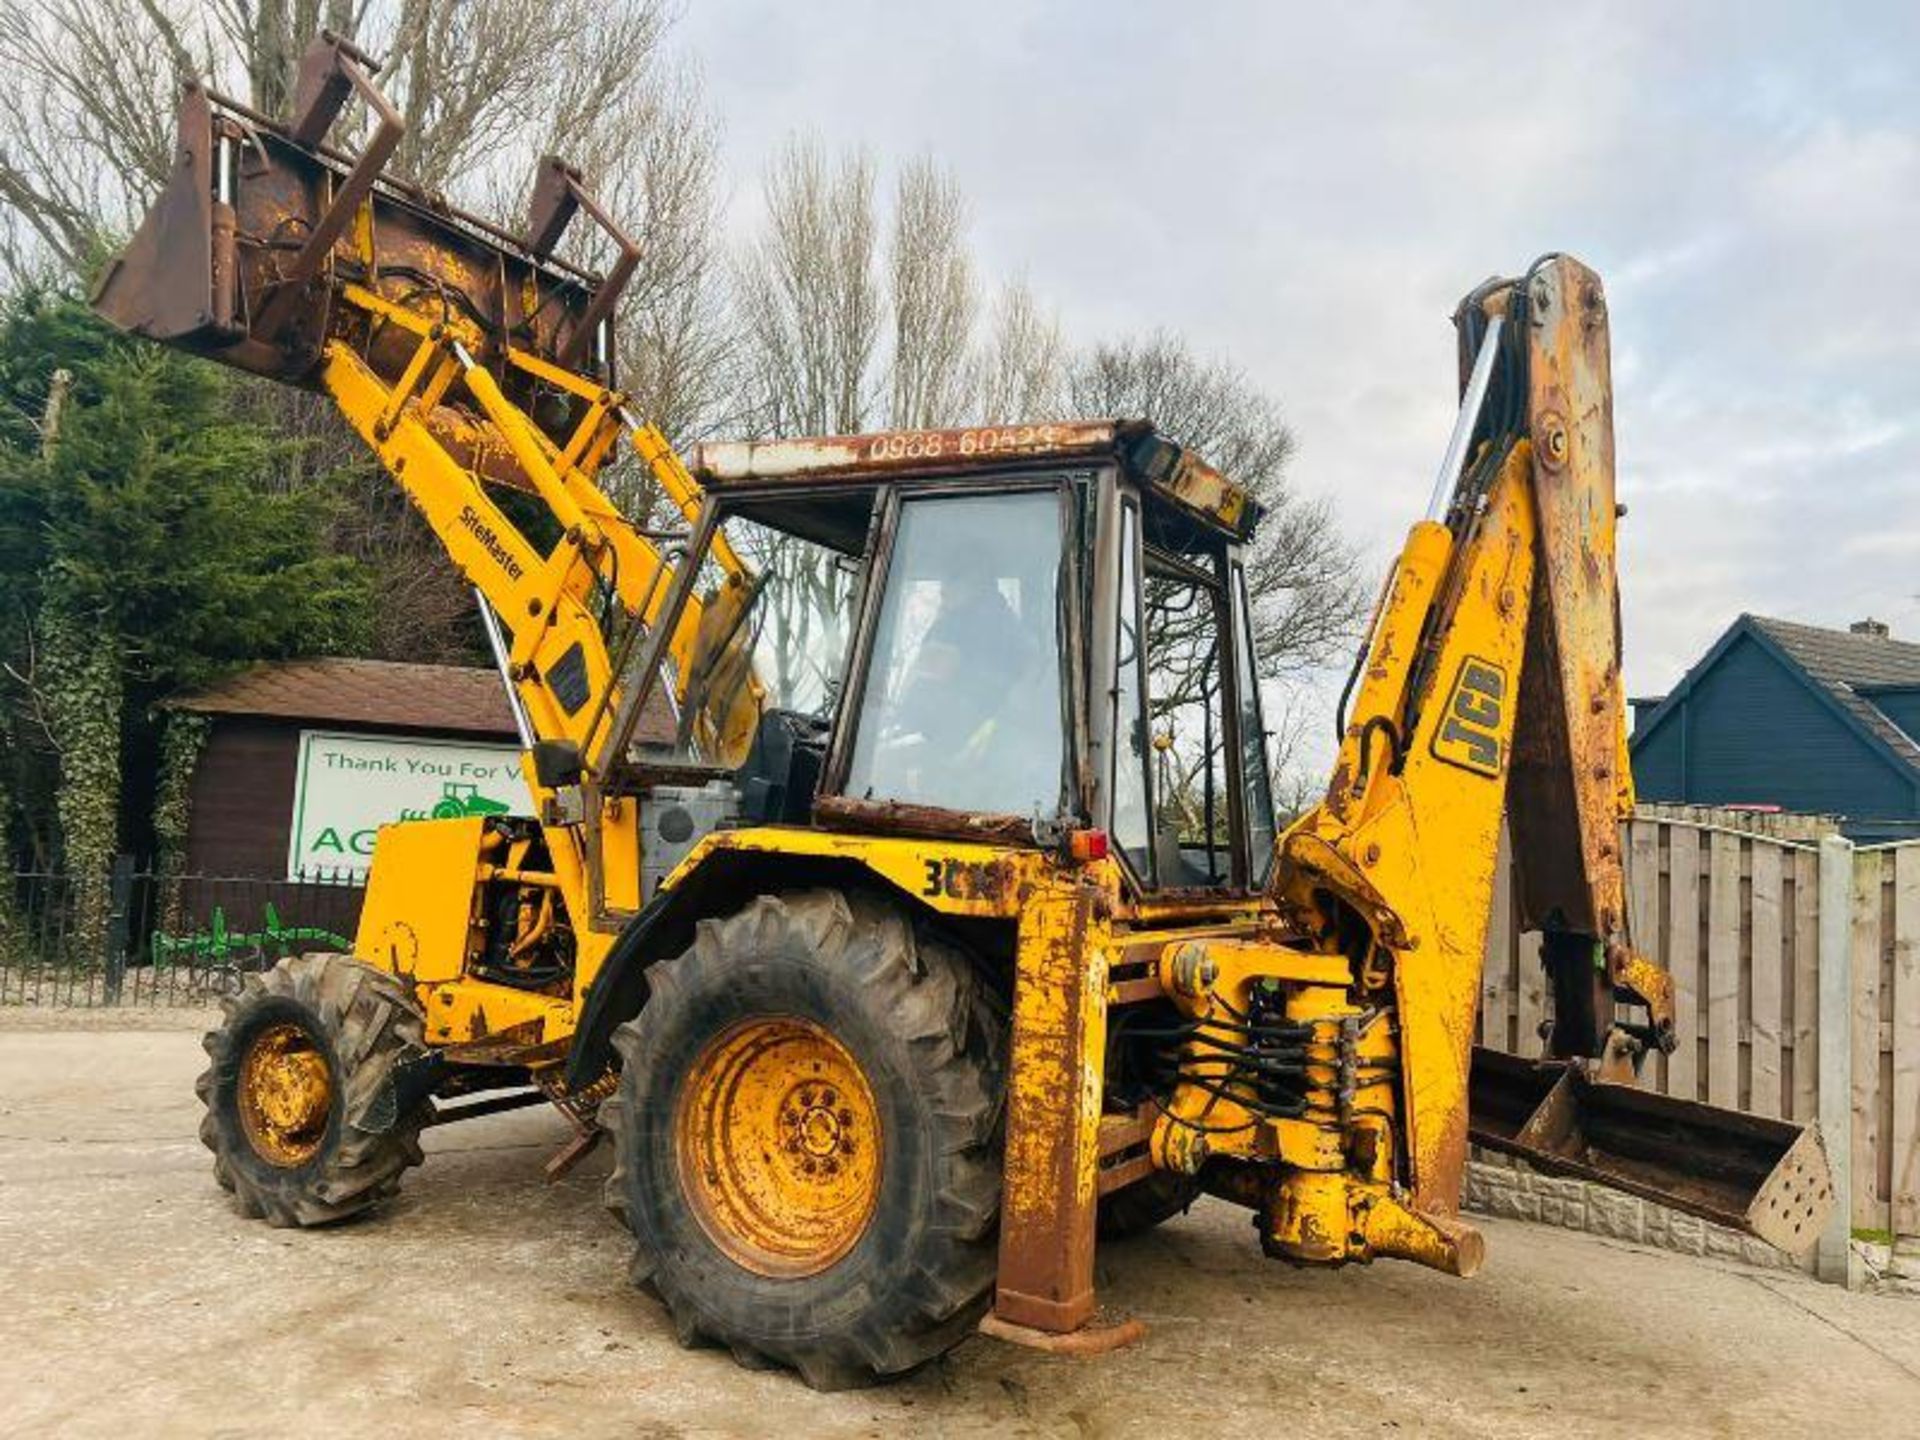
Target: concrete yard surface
(483, 1302)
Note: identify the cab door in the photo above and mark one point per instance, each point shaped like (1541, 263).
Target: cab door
(1187, 798)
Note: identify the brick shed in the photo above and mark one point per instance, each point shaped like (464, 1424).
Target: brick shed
(242, 801)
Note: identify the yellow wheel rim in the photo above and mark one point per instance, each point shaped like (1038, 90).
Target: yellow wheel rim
(779, 1146)
(286, 1095)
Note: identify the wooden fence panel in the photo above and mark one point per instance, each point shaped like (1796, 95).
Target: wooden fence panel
(1526, 982)
(1644, 920)
(1867, 1208)
(1683, 957)
(1765, 1087)
(1496, 973)
(1806, 985)
(1723, 968)
(1731, 911)
(1906, 1041)
(1532, 1003)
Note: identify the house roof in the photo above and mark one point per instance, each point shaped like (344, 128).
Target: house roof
(1848, 665)
(384, 693)
(1843, 668)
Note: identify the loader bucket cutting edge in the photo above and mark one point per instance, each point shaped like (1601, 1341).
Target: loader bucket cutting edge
(1763, 1177)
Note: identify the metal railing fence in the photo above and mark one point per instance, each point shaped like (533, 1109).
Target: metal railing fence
(139, 936)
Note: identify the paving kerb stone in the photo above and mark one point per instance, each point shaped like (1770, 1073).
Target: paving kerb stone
(1498, 1185)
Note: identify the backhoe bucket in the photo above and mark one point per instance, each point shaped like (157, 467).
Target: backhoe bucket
(1762, 1177)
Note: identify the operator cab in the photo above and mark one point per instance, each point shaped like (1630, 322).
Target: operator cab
(1005, 632)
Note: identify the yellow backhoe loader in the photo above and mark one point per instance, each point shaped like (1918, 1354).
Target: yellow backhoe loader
(953, 930)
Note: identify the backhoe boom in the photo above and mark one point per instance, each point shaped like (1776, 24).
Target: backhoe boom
(1491, 685)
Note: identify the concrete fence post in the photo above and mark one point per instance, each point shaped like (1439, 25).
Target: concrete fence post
(1834, 1255)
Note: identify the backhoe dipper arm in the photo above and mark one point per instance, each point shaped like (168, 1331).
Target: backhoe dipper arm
(1571, 785)
(1492, 680)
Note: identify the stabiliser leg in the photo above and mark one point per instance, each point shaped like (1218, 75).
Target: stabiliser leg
(1050, 1192)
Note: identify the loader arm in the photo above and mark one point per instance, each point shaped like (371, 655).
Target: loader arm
(1491, 684)
(470, 360)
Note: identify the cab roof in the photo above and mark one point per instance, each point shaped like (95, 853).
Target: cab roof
(1165, 470)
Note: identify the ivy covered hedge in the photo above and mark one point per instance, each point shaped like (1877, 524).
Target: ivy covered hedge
(153, 536)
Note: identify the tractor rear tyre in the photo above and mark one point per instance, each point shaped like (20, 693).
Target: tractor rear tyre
(303, 1109)
(807, 1136)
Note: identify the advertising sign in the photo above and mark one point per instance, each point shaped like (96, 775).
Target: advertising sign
(348, 786)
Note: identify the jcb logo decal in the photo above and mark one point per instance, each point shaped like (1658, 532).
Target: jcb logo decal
(1469, 734)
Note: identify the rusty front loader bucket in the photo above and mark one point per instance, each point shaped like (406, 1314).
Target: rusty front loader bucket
(267, 244)
(1762, 1177)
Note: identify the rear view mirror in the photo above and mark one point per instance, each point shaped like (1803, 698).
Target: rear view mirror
(556, 763)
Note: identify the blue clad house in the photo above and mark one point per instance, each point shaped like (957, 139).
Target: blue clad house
(1792, 716)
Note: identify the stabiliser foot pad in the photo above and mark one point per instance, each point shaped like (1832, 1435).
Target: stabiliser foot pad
(1099, 1335)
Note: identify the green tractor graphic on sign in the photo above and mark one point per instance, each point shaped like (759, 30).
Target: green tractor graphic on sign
(458, 800)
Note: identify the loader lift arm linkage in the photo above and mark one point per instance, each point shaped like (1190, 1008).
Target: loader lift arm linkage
(465, 357)
(1296, 1037)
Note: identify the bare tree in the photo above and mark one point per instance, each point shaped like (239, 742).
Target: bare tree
(485, 86)
(1303, 576)
(263, 39)
(933, 299)
(660, 174)
(806, 299)
(1304, 582)
(88, 136)
(422, 609)
(829, 340)
(1020, 369)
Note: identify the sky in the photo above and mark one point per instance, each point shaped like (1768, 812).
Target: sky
(1308, 190)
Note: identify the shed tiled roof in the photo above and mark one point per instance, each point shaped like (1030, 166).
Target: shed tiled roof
(383, 693)
(387, 694)
(1847, 664)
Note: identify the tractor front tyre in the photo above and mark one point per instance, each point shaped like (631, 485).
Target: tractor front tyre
(807, 1136)
(308, 1112)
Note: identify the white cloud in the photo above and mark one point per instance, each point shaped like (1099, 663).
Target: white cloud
(1310, 190)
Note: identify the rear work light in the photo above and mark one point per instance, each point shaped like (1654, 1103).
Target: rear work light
(1085, 845)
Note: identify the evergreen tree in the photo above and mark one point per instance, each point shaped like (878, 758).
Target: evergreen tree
(147, 545)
